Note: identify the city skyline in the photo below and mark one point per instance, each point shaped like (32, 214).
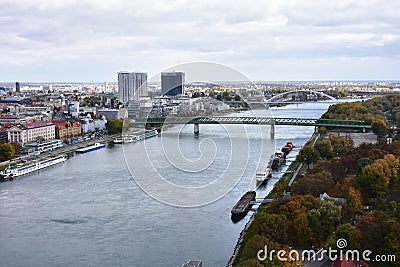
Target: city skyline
(90, 41)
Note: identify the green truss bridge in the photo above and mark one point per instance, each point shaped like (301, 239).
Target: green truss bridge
(196, 121)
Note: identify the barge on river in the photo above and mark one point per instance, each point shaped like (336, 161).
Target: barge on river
(244, 204)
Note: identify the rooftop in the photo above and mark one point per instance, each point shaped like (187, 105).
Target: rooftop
(37, 124)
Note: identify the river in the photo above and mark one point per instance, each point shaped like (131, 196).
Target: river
(89, 211)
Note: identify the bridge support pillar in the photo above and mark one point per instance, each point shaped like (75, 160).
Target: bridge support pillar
(196, 128)
(272, 132)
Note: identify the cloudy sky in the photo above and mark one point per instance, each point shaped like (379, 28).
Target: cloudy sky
(91, 40)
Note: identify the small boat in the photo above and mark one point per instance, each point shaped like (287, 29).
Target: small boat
(287, 148)
(127, 139)
(262, 176)
(193, 264)
(150, 133)
(12, 172)
(118, 140)
(279, 159)
(244, 204)
(145, 135)
(90, 148)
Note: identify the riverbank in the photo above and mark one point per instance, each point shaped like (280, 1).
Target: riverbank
(285, 180)
(68, 149)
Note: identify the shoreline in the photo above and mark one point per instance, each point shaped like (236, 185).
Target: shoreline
(239, 242)
(67, 149)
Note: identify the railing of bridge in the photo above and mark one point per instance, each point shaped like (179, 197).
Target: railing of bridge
(256, 120)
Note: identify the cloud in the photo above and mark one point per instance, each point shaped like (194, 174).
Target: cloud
(66, 38)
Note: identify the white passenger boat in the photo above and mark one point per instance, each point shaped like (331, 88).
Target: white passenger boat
(24, 168)
(265, 174)
(90, 148)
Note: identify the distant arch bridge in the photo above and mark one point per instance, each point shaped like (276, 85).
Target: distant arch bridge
(275, 99)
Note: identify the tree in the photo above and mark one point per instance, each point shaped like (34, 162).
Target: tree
(380, 128)
(308, 155)
(255, 244)
(361, 163)
(354, 202)
(114, 126)
(330, 211)
(393, 163)
(344, 231)
(7, 151)
(340, 143)
(250, 263)
(373, 180)
(301, 230)
(314, 184)
(274, 226)
(329, 215)
(322, 130)
(324, 148)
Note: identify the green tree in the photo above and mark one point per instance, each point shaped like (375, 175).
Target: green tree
(340, 144)
(324, 148)
(380, 128)
(373, 180)
(361, 163)
(322, 130)
(7, 151)
(114, 126)
(308, 155)
(344, 231)
(255, 244)
(393, 163)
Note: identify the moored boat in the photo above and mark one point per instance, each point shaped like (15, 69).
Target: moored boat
(118, 140)
(265, 174)
(17, 170)
(128, 139)
(244, 204)
(90, 148)
(193, 264)
(279, 158)
(262, 176)
(287, 148)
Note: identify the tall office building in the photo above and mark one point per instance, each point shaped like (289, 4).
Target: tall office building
(131, 86)
(17, 87)
(173, 83)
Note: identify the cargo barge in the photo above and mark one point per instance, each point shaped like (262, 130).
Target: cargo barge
(244, 204)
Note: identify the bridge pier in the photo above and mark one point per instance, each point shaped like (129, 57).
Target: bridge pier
(272, 131)
(196, 128)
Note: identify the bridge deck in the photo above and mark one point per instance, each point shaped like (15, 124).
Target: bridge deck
(257, 121)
